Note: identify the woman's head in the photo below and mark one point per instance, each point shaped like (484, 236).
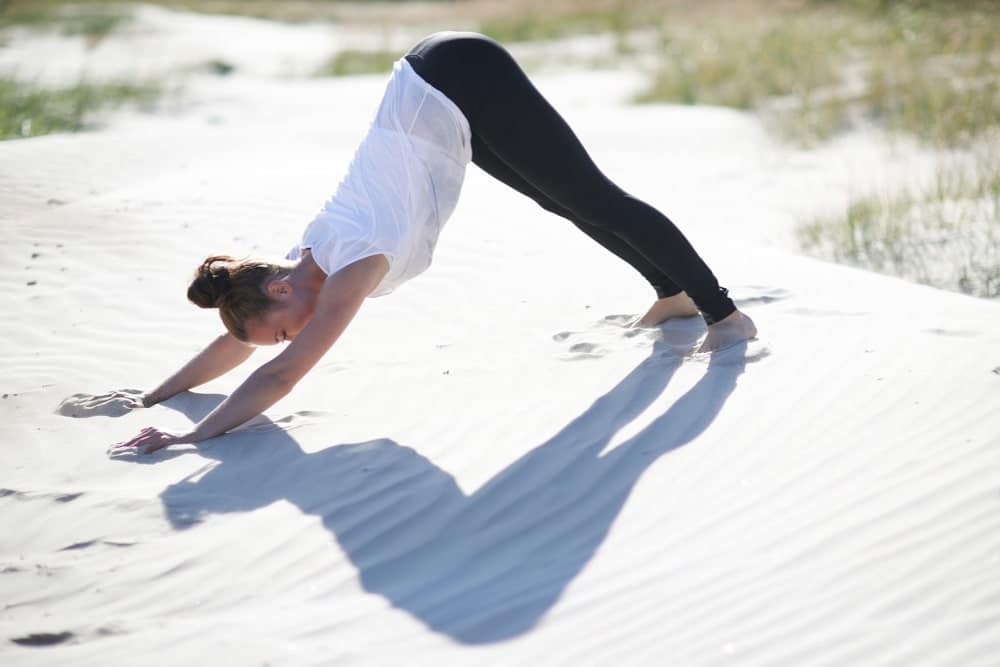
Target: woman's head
(253, 297)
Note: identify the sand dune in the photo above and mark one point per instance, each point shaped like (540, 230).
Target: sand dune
(489, 468)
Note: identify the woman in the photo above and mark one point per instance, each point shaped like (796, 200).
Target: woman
(454, 98)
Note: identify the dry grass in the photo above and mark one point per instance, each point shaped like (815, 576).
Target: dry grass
(927, 69)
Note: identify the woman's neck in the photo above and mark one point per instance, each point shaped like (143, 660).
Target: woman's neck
(306, 274)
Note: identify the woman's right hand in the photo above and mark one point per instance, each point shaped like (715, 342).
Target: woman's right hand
(110, 404)
(148, 441)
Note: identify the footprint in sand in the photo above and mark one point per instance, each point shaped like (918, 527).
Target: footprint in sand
(623, 320)
(586, 351)
(583, 350)
(679, 335)
(606, 335)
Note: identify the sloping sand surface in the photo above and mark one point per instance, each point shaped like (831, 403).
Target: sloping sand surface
(489, 468)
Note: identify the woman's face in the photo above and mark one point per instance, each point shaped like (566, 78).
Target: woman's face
(289, 313)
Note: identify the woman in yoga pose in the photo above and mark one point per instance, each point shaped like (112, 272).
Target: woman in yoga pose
(454, 98)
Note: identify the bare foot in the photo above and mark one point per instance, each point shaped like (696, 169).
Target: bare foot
(678, 305)
(728, 331)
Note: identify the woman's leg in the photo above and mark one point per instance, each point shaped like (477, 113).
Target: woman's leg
(519, 128)
(489, 162)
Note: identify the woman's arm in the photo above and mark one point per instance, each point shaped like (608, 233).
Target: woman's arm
(221, 356)
(337, 304)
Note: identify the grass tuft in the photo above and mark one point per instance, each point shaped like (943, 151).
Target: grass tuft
(925, 69)
(946, 234)
(353, 62)
(28, 111)
(540, 23)
(94, 21)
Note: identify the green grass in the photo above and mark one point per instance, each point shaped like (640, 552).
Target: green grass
(935, 75)
(94, 21)
(27, 12)
(946, 234)
(925, 69)
(351, 62)
(930, 71)
(538, 23)
(743, 65)
(780, 65)
(40, 13)
(28, 110)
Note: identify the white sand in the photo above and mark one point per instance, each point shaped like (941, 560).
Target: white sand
(487, 469)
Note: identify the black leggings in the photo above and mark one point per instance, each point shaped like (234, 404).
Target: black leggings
(519, 139)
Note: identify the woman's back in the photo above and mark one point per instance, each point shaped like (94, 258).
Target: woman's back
(401, 186)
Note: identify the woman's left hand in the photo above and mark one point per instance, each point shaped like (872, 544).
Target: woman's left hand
(148, 441)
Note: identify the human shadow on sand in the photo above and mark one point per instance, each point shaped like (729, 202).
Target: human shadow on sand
(478, 568)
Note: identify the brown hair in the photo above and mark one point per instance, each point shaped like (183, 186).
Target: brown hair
(235, 287)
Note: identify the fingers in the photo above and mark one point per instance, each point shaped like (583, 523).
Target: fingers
(120, 448)
(120, 452)
(127, 447)
(148, 440)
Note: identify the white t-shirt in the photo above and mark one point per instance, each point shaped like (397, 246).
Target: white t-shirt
(401, 186)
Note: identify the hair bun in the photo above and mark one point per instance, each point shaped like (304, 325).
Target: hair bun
(212, 282)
